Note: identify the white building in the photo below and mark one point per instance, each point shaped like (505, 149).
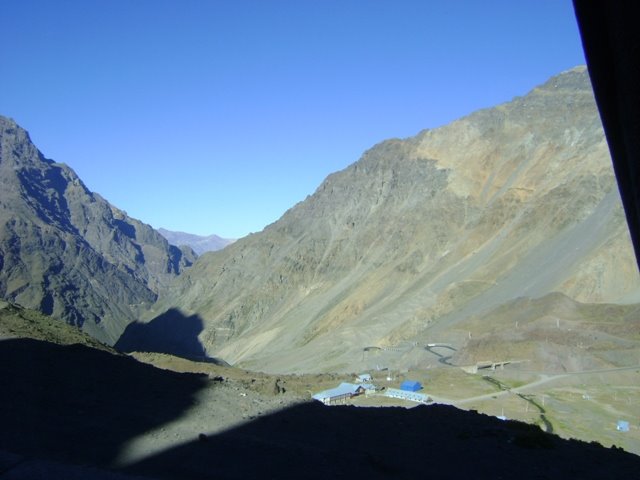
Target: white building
(340, 394)
(406, 395)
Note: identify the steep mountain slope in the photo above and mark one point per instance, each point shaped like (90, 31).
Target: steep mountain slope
(554, 334)
(67, 252)
(419, 234)
(20, 322)
(200, 244)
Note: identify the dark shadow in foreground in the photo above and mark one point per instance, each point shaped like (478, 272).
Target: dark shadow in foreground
(172, 332)
(314, 441)
(80, 405)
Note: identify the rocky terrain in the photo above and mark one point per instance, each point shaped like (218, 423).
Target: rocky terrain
(67, 252)
(76, 411)
(496, 244)
(200, 244)
(417, 238)
(414, 243)
(555, 334)
(20, 322)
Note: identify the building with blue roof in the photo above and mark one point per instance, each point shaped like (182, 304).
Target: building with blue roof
(411, 386)
(341, 393)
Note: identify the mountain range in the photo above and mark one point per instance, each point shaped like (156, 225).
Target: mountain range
(419, 236)
(69, 253)
(199, 243)
(423, 240)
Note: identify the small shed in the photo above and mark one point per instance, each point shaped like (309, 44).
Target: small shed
(622, 426)
(410, 386)
(363, 378)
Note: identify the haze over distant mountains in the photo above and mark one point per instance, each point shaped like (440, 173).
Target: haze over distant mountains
(199, 243)
(67, 252)
(421, 235)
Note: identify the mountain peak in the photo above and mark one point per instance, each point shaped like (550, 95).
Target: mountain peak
(418, 235)
(66, 251)
(199, 243)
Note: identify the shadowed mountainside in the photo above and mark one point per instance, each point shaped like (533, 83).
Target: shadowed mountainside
(80, 405)
(170, 332)
(68, 404)
(67, 252)
(312, 441)
(420, 234)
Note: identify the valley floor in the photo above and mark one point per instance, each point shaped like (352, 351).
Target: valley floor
(584, 405)
(87, 408)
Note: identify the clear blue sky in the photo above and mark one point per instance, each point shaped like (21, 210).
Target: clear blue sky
(216, 116)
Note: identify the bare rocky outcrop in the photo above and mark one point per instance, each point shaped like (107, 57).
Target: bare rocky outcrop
(419, 234)
(67, 252)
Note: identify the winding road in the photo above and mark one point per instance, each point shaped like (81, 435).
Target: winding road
(544, 378)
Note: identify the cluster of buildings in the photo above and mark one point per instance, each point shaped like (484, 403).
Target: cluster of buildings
(408, 391)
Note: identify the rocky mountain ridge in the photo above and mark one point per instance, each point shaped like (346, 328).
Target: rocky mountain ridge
(419, 234)
(67, 252)
(199, 243)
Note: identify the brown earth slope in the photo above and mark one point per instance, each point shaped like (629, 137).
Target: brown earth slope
(420, 234)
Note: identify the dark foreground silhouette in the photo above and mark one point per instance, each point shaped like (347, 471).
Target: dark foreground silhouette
(79, 406)
(314, 441)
